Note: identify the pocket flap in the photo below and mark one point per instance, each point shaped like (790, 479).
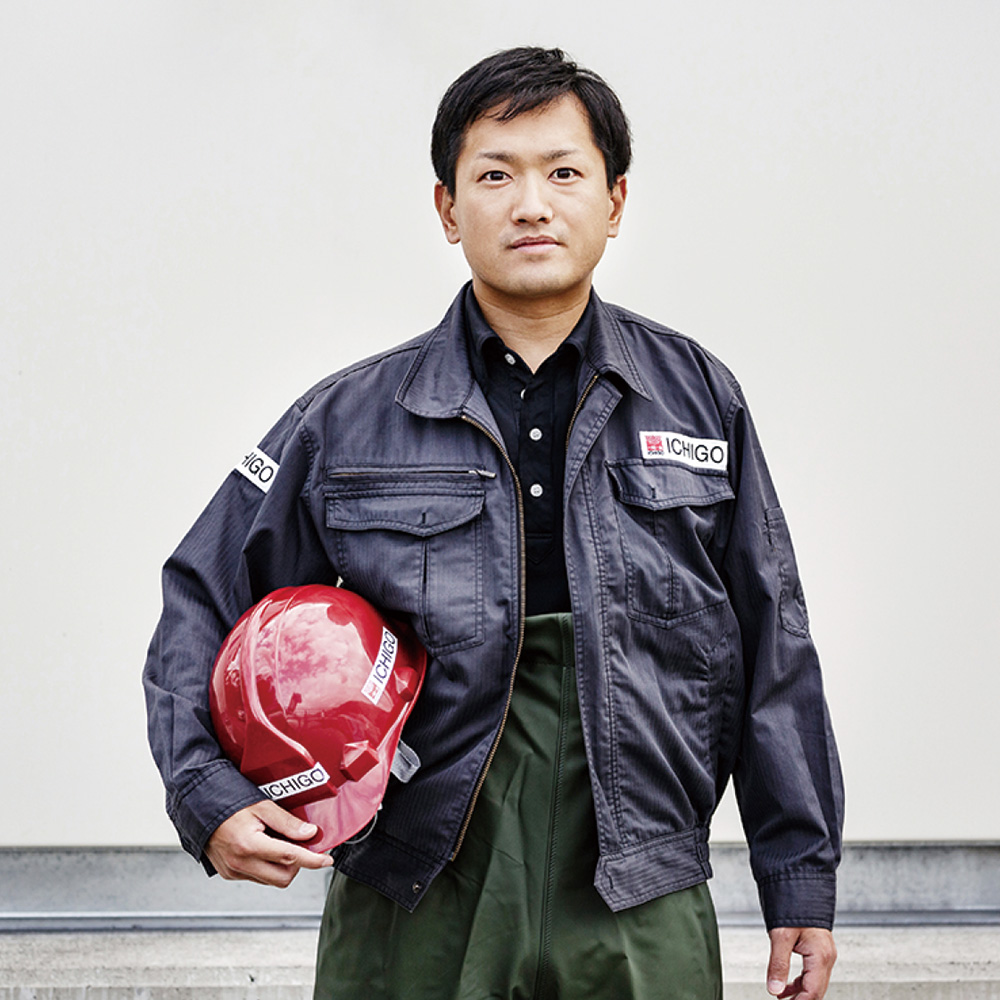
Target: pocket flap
(660, 485)
(420, 514)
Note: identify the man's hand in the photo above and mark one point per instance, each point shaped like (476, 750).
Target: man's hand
(242, 847)
(818, 952)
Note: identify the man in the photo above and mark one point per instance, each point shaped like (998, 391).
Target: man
(569, 504)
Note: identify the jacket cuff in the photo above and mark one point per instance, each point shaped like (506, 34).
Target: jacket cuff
(218, 792)
(799, 899)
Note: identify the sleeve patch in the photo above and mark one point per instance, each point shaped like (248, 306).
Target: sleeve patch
(258, 468)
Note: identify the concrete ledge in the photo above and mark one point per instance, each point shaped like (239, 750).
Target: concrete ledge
(930, 963)
(142, 888)
(897, 883)
(257, 965)
(162, 888)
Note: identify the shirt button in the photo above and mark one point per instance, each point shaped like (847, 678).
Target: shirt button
(535, 434)
(510, 359)
(536, 490)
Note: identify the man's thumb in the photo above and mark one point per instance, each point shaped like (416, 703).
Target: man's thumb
(780, 961)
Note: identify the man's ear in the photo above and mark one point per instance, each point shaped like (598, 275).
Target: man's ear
(617, 196)
(445, 205)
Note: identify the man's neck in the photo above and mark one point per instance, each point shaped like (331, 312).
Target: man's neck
(533, 328)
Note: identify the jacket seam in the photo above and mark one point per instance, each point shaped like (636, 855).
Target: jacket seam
(805, 920)
(734, 405)
(690, 833)
(670, 622)
(400, 845)
(621, 314)
(797, 877)
(312, 454)
(307, 399)
(404, 848)
(203, 774)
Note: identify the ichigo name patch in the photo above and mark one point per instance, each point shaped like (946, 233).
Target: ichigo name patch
(258, 468)
(699, 453)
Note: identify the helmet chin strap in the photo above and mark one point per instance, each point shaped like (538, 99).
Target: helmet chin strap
(366, 832)
(405, 764)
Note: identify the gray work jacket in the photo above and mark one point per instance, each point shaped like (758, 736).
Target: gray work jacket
(694, 660)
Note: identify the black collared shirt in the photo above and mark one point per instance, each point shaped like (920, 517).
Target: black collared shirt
(533, 411)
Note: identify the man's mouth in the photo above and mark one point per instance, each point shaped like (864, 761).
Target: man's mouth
(534, 241)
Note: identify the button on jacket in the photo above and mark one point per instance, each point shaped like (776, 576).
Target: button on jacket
(693, 654)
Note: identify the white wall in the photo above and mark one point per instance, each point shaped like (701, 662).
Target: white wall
(206, 206)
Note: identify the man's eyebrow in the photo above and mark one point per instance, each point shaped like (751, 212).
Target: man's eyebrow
(488, 154)
(559, 154)
(504, 157)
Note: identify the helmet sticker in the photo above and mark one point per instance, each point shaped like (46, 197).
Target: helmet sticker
(284, 788)
(381, 670)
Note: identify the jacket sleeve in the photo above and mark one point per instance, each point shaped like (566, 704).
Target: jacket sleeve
(246, 543)
(787, 772)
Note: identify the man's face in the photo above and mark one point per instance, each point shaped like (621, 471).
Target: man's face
(531, 206)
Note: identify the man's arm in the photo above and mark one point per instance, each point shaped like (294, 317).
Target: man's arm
(787, 771)
(246, 543)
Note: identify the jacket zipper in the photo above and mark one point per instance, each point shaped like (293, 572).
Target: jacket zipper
(520, 622)
(481, 473)
(579, 405)
(520, 636)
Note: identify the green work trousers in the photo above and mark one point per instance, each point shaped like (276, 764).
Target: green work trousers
(516, 916)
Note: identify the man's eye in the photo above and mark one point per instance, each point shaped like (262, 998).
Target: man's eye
(564, 173)
(493, 175)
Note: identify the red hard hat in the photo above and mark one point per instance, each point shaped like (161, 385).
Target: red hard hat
(308, 695)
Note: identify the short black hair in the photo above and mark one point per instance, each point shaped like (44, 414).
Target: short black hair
(514, 81)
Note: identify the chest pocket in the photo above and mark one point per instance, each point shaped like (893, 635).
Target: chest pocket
(412, 544)
(667, 518)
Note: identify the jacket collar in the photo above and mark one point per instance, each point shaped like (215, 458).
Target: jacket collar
(440, 382)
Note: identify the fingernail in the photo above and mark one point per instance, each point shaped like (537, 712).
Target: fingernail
(775, 986)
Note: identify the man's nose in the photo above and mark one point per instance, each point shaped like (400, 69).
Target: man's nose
(532, 203)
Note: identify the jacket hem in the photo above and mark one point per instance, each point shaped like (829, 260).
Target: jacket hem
(653, 869)
(396, 870)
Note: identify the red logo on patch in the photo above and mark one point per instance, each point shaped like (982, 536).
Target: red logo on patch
(654, 445)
